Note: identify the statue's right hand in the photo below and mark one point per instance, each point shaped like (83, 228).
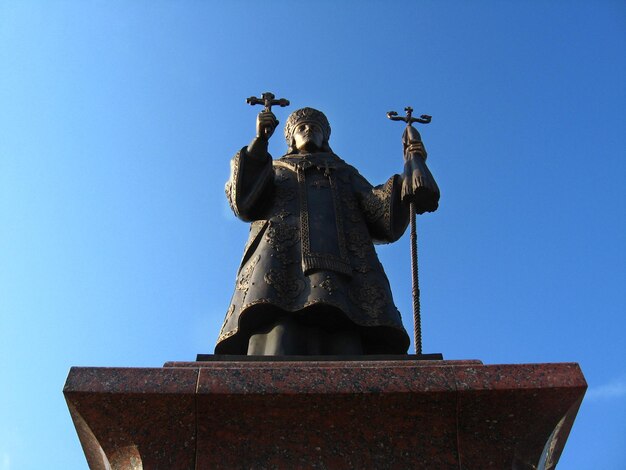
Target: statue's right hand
(266, 123)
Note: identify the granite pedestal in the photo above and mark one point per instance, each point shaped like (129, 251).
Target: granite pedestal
(379, 414)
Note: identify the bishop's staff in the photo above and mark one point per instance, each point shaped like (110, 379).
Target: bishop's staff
(420, 190)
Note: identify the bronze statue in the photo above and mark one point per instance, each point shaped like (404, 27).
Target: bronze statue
(310, 282)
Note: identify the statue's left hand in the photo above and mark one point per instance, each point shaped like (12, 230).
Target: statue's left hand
(418, 184)
(414, 150)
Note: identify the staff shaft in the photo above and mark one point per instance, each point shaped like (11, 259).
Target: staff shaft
(417, 321)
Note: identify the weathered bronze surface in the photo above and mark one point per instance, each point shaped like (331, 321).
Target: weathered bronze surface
(310, 282)
(419, 181)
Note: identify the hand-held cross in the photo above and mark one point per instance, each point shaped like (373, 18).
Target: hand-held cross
(268, 100)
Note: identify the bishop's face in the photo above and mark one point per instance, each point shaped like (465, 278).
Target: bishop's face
(308, 137)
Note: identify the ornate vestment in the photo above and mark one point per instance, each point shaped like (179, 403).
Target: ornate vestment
(314, 222)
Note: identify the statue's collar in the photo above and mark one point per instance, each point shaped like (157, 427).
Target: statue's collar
(324, 159)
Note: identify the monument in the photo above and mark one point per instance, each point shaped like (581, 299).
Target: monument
(311, 367)
(310, 281)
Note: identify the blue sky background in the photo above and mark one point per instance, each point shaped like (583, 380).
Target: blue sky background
(118, 120)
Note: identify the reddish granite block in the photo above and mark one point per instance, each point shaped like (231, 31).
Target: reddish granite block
(325, 414)
(134, 418)
(496, 404)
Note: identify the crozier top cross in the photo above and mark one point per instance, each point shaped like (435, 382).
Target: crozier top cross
(409, 119)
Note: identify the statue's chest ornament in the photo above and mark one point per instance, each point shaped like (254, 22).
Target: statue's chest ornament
(316, 174)
(319, 184)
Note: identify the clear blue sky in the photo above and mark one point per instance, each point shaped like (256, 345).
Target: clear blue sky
(118, 120)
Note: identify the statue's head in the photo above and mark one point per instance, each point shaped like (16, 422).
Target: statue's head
(307, 130)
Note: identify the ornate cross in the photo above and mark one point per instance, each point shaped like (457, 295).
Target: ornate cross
(267, 100)
(409, 119)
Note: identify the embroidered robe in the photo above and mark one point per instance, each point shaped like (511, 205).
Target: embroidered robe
(314, 221)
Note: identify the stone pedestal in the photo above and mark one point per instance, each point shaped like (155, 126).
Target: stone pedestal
(325, 414)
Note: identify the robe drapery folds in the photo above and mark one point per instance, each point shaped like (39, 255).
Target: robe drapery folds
(310, 251)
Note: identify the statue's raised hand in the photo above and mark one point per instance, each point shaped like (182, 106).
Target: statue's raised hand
(266, 123)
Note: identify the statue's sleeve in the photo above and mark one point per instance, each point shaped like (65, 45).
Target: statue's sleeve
(385, 214)
(250, 184)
